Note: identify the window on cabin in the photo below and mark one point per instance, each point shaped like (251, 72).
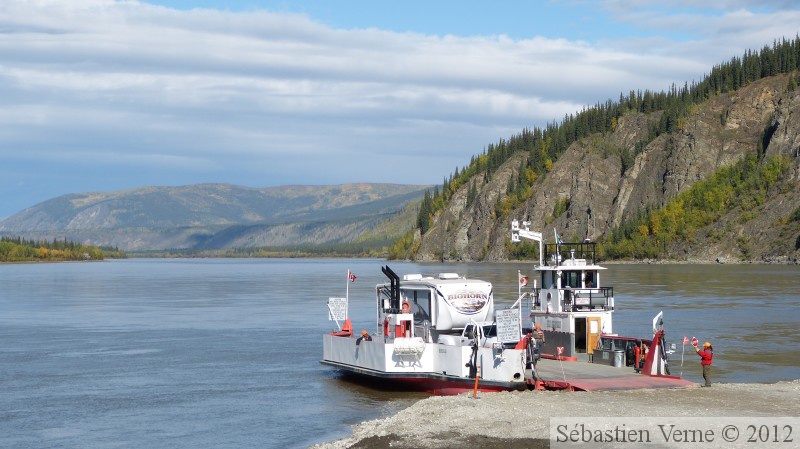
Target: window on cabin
(588, 279)
(571, 279)
(469, 331)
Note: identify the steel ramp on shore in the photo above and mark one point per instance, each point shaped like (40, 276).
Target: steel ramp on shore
(584, 376)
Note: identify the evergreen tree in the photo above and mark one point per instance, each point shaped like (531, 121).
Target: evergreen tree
(425, 212)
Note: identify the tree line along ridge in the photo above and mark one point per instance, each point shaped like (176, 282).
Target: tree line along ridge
(544, 145)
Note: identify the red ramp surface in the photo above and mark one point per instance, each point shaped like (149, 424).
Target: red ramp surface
(586, 376)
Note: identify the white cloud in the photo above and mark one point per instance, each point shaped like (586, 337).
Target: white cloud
(710, 32)
(160, 96)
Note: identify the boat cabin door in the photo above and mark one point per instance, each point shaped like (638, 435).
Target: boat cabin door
(587, 334)
(593, 333)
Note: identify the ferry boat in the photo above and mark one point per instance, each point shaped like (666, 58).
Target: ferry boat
(442, 334)
(436, 334)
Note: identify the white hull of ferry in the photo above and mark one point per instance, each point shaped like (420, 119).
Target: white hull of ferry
(434, 367)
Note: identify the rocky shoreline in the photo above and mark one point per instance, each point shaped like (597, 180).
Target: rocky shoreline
(522, 419)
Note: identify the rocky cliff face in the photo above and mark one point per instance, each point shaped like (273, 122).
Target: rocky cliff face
(589, 178)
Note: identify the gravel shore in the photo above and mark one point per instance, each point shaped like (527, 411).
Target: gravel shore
(522, 419)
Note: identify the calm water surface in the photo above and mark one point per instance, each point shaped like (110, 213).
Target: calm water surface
(221, 352)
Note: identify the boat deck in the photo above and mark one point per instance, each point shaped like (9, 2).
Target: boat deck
(584, 376)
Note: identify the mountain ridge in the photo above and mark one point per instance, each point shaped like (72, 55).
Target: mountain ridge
(592, 189)
(194, 217)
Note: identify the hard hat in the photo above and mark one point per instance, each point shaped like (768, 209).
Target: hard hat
(364, 332)
(538, 326)
(706, 344)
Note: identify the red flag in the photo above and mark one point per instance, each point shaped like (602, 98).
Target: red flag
(694, 341)
(685, 341)
(351, 276)
(523, 281)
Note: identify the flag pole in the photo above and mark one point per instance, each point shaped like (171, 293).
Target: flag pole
(519, 299)
(683, 349)
(347, 295)
(560, 350)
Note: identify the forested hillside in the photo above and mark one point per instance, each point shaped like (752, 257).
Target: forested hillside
(616, 172)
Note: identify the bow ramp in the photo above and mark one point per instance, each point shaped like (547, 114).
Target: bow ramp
(577, 376)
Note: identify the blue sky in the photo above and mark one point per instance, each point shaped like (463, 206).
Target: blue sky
(517, 19)
(104, 95)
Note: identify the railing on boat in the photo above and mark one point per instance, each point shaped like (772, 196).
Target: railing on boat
(562, 252)
(582, 299)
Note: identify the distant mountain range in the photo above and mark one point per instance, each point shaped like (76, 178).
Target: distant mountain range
(220, 216)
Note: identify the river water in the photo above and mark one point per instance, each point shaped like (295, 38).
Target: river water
(225, 352)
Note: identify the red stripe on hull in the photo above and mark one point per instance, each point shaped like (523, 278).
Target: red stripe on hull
(451, 388)
(435, 384)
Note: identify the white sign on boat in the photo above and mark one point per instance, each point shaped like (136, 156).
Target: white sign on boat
(337, 309)
(508, 325)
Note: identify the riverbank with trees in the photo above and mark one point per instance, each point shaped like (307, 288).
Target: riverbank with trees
(22, 250)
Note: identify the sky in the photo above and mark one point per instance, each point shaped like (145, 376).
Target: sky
(106, 95)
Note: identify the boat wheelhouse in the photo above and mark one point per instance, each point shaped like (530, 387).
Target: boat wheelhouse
(569, 301)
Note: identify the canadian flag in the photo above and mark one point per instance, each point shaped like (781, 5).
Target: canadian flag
(558, 237)
(351, 276)
(523, 280)
(694, 341)
(685, 341)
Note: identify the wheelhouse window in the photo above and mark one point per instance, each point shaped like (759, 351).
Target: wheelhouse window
(571, 279)
(589, 279)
